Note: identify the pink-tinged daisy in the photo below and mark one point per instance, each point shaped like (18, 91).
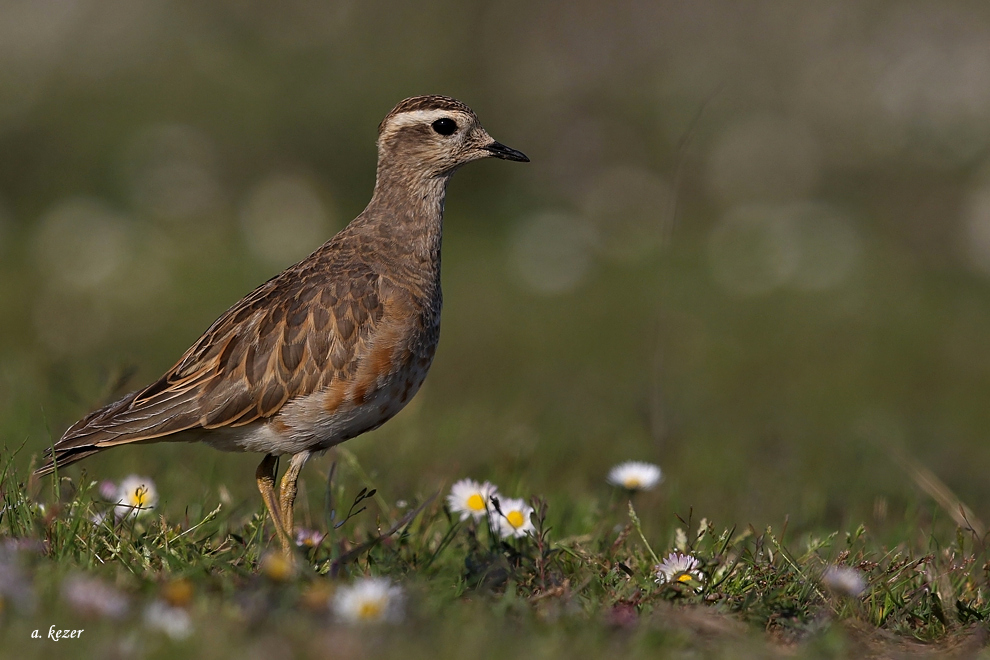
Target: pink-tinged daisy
(308, 538)
(94, 597)
(680, 568)
(108, 490)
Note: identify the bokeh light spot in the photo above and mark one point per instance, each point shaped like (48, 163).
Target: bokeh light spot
(172, 172)
(764, 158)
(757, 248)
(284, 219)
(975, 234)
(80, 243)
(629, 207)
(550, 253)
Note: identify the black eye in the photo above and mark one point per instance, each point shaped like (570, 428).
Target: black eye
(445, 126)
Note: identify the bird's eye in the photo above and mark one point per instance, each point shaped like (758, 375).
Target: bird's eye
(445, 126)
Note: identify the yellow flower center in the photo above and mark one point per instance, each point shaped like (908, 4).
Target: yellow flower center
(476, 502)
(632, 483)
(371, 609)
(139, 496)
(276, 567)
(516, 519)
(684, 577)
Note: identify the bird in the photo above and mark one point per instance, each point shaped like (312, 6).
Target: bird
(331, 347)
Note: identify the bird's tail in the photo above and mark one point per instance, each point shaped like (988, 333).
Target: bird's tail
(63, 457)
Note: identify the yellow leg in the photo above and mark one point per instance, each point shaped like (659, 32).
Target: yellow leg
(266, 484)
(287, 493)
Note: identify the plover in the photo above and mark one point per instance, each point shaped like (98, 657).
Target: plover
(331, 347)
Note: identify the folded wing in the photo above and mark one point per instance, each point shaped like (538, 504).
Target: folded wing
(296, 334)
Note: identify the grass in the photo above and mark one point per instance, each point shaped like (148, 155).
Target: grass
(813, 421)
(807, 434)
(583, 585)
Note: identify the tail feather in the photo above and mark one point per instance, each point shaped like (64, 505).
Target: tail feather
(121, 422)
(64, 457)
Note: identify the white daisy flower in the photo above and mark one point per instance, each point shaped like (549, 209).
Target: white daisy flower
(135, 497)
(679, 568)
(369, 600)
(515, 519)
(470, 498)
(173, 621)
(635, 475)
(844, 580)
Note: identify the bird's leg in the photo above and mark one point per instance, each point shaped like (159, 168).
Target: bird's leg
(287, 491)
(266, 484)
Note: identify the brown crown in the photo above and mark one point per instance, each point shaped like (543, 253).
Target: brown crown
(429, 102)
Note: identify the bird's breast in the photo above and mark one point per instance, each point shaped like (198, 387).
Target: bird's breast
(383, 379)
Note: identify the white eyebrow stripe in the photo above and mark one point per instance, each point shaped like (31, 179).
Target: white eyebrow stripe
(420, 117)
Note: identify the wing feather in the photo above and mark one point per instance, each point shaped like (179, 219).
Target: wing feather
(297, 333)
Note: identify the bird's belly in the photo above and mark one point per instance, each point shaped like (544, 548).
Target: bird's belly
(329, 419)
(330, 416)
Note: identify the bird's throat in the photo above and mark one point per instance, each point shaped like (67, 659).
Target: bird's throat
(407, 211)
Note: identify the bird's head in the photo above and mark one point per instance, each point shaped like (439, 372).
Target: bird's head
(434, 135)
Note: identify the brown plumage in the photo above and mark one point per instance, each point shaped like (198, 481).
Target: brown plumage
(331, 347)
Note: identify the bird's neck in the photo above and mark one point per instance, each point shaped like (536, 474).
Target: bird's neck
(406, 210)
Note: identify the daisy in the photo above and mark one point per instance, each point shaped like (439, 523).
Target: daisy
(277, 566)
(177, 593)
(15, 584)
(308, 538)
(844, 580)
(135, 497)
(173, 621)
(679, 568)
(369, 600)
(635, 475)
(515, 519)
(93, 596)
(470, 498)
(108, 490)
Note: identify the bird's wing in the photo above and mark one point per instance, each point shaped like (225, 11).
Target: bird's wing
(291, 336)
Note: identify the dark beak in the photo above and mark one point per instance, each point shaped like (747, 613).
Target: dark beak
(499, 150)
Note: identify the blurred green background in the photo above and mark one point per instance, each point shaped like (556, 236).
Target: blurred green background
(753, 244)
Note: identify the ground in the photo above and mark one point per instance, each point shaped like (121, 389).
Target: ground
(211, 583)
